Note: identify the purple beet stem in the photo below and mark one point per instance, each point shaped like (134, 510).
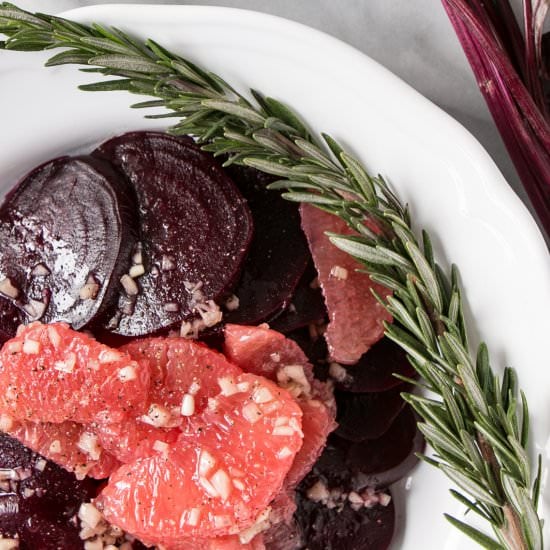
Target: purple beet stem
(523, 127)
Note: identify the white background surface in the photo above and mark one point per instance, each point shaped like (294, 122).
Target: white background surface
(412, 38)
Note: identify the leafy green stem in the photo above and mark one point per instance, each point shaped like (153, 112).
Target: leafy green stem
(476, 422)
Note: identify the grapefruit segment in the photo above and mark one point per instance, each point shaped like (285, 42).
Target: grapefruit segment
(180, 370)
(317, 423)
(268, 353)
(51, 373)
(231, 542)
(180, 366)
(356, 317)
(132, 439)
(230, 462)
(262, 351)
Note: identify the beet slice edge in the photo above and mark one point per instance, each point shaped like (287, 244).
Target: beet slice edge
(278, 253)
(374, 372)
(373, 463)
(307, 305)
(363, 416)
(195, 229)
(66, 236)
(40, 505)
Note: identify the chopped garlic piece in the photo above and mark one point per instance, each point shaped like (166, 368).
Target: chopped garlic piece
(188, 405)
(89, 514)
(89, 444)
(157, 416)
(339, 272)
(222, 483)
(55, 446)
(126, 374)
(8, 289)
(318, 492)
(251, 413)
(129, 285)
(67, 365)
(206, 462)
(262, 395)
(9, 544)
(31, 347)
(160, 446)
(136, 271)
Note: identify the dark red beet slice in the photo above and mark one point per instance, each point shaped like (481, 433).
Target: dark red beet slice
(343, 527)
(372, 463)
(327, 518)
(363, 416)
(278, 255)
(9, 319)
(383, 461)
(65, 239)
(41, 505)
(374, 371)
(196, 228)
(306, 306)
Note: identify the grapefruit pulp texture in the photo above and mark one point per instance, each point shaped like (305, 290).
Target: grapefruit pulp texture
(207, 468)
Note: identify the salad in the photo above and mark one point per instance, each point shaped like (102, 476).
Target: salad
(477, 422)
(187, 362)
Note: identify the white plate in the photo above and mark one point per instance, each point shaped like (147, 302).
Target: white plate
(453, 187)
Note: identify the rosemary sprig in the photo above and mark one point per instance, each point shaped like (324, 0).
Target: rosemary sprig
(475, 422)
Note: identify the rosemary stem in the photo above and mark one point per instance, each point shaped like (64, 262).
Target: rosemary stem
(512, 531)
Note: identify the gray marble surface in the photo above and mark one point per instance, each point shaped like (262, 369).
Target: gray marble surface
(412, 38)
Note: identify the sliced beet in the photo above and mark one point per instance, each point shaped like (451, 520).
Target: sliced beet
(367, 415)
(374, 462)
(66, 235)
(9, 319)
(39, 506)
(278, 254)
(332, 466)
(306, 306)
(374, 371)
(383, 461)
(195, 228)
(343, 527)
